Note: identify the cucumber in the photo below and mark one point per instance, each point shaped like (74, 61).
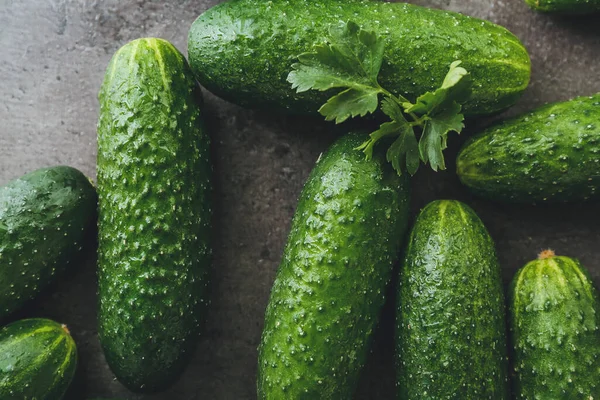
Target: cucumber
(554, 319)
(450, 321)
(565, 6)
(154, 214)
(243, 51)
(329, 290)
(44, 217)
(38, 358)
(549, 155)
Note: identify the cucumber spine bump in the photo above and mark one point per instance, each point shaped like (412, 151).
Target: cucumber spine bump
(330, 286)
(243, 50)
(154, 214)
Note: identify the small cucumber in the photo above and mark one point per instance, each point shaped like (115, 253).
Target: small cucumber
(243, 51)
(450, 326)
(38, 359)
(565, 6)
(154, 214)
(44, 217)
(549, 155)
(329, 290)
(554, 319)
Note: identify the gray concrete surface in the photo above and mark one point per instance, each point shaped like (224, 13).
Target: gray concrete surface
(52, 58)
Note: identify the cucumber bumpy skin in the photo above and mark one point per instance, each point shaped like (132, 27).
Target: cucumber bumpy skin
(549, 155)
(154, 214)
(44, 218)
(554, 319)
(450, 325)
(38, 358)
(565, 6)
(243, 51)
(329, 289)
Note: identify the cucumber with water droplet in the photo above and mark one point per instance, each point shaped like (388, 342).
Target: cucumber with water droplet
(554, 319)
(38, 358)
(243, 51)
(330, 286)
(450, 317)
(551, 154)
(154, 214)
(565, 6)
(44, 218)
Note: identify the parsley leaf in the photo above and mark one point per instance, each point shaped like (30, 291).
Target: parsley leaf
(434, 138)
(404, 151)
(455, 89)
(350, 60)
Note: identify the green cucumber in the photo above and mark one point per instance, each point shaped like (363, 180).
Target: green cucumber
(551, 154)
(38, 359)
(450, 325)
(565, 6)
(329, 290)
(44, 217)
(554, 319)
(154, 214)
(243, 51)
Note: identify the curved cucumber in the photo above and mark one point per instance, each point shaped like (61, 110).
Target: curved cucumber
(38, 359)
(243, 51)
(44, 217)
(565, 6)
(554, 314)
(450, 325)
(154, 214)
(549, 155)
(329, 289)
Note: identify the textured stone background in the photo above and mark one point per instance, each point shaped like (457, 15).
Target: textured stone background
(52, 59)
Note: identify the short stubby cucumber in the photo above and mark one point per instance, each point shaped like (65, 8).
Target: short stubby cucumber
(154, 214)
(243, 51)
(450, 321)
(38, 358)
(330, 287)
(554, 319)
(44, 218)
(565, 6)
(549, 155)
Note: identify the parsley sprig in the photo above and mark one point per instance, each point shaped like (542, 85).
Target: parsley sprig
(350, 60)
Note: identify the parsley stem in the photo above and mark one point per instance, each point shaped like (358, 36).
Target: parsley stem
(399, 99)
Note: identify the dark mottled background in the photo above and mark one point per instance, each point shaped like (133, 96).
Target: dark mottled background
(52, 58)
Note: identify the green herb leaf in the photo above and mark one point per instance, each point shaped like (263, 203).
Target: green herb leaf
(435, 133)
(351, 59)
(405, 152)
(387, 129)
(455, 89)
(350, 103)
(392, 109)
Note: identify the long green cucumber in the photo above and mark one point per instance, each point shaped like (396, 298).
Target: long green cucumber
(329, 289)
(44, 217)
(565, 6)
(450, 326)
(38, 358)
(243, 51)
(554, 312)
(551, 154)
(154, 214)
